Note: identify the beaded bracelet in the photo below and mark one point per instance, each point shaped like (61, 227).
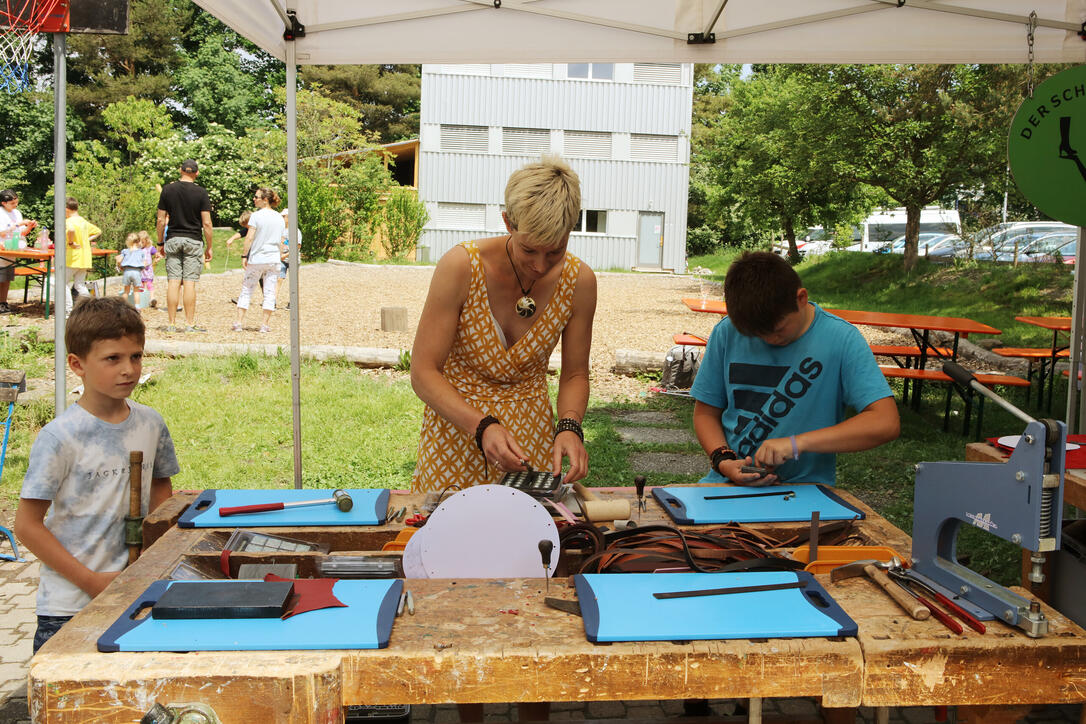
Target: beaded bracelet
(721, 454)
(483, 425)
(568, 424)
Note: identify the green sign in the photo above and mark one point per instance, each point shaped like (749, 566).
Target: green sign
(1047, 147)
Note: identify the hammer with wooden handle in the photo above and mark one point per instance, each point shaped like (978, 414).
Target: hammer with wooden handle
(341, 498)
(874, 570)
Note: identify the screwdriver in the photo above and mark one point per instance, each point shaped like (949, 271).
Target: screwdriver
(639, 483)
(545, 548)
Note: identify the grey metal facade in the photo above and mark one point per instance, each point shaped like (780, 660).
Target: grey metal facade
(645, 168)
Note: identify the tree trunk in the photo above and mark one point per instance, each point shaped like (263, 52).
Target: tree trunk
(790, 234)
(912, 235)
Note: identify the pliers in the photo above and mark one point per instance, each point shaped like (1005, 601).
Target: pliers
(416, 521)
(907, 582)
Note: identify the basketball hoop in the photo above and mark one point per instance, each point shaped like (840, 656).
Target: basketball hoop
(20, 23)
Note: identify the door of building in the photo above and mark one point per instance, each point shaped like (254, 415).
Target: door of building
(650, 240)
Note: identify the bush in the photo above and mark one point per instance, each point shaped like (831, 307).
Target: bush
(702, 240)
(403, 216)
(322, 217)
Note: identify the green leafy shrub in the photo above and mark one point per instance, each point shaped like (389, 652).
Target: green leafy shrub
(403, 216)
(322, 216)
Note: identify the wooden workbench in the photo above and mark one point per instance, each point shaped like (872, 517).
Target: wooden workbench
(464, 645)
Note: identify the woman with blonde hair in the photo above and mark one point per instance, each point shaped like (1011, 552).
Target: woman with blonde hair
(496, 309)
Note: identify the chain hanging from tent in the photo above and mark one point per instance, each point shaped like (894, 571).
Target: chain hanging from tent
(1031, 26)
(20, 23)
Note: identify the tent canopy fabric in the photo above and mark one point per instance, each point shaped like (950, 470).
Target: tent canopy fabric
(746, 31)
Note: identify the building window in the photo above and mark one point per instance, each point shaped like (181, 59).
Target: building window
(464, 138)
(644, 147)
(587, 144)
(467, 69)
(596, 71)
(526, 141)
(592, 222)
(460, 216)
(663, 73)
(528, 70)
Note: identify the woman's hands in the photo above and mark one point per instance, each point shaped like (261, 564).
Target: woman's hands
(502, 450)
(567, 444)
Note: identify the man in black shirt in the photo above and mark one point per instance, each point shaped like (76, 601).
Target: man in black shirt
(184, 212)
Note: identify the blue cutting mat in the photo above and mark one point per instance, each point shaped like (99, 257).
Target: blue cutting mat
(370, 508)
(621, 607)
(365, 623)
(688, 506)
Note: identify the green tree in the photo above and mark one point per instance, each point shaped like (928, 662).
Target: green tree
(766, 152)
(921, 133)
(386, 98)
(218, 90)
(103, 69)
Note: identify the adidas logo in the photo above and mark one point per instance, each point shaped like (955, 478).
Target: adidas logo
(765, 394)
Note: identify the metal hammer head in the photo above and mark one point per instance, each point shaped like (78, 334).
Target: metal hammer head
(855, 568)
(343, 500)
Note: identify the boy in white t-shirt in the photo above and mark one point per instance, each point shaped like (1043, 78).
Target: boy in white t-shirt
(75, 494)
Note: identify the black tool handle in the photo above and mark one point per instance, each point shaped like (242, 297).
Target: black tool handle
(545, 548)
(639, 484)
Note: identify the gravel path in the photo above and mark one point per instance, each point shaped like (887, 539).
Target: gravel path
(341, 305)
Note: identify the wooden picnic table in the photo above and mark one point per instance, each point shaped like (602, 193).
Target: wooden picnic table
(465, 644)
(1058, 325)
(32, 258)
(920, 325)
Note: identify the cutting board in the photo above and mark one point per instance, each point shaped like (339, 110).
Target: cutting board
(365, 623)
(621, 607)
(688, 505)
(370, 507)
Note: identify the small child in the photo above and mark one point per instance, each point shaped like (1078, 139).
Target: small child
(243, 227)
(78, 471)
(147, 276)
(131, 262)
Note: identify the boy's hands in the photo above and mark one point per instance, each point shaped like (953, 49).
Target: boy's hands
(773, 452)
(733, 471)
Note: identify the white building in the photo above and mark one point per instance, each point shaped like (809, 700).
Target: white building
(623, 127)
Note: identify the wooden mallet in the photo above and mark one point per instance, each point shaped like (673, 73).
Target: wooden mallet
(341, 499)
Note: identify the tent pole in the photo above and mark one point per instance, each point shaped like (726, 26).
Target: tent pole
(293, 258)
(60, 193)
(1076, 403)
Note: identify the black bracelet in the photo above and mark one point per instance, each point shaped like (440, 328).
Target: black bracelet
(721, 454)
(568, 424)
(483, 425)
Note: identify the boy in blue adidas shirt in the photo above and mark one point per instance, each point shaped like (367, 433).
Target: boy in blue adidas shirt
(777, 378)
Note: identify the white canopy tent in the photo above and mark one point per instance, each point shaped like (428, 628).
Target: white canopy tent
(698, 31)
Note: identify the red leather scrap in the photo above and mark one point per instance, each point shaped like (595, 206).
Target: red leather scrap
(310, 594)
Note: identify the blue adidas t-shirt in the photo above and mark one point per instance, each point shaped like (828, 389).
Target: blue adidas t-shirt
(767, 391)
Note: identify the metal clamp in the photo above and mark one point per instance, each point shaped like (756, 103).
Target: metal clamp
(296, 29)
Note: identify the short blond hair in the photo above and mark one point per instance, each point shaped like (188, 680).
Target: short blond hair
(544, 200)
(131, 239)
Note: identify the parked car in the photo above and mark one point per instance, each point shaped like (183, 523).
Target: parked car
(897, 246)
(1000, 245)
(1061, 245)
(946, 246)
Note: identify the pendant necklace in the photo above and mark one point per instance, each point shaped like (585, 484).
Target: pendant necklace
(525, 305)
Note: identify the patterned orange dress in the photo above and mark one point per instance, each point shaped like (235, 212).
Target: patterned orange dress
(510, 384)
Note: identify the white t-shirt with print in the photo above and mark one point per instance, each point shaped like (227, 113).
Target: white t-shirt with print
(80, 463)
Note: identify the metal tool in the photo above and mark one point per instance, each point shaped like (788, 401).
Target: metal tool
(733, 589)
(639, 485)
(754, 469)
(812, 538)
(562, 604)
(787, 495)
(546, 546)
(937, 613)
(968, 618)
(1020, 500)
(875, 571)
(341, 499)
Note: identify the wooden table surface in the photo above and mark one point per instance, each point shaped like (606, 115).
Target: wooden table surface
(462, 645)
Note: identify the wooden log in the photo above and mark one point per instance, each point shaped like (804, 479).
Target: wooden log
(393, 319)
(633, 362)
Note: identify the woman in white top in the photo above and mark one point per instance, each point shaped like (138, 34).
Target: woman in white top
(260, 257)
(10, 218)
